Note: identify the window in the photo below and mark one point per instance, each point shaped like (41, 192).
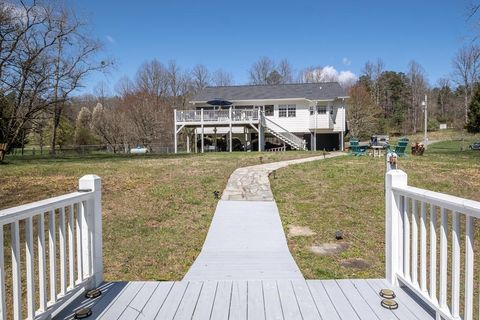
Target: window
(292, 111)
(311, 111)
(287, 110)
(269, 111)
(321, 109)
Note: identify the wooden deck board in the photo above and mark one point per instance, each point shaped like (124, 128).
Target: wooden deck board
(265, 299)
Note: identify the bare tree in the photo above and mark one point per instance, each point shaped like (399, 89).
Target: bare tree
(260, 71)
(201, 77)
(466, 70)
(373, 71)
(109, 125)
(222, 78)
(285, 71)
(153, 79)
(418, 88)
(362, 112)
(44, 55)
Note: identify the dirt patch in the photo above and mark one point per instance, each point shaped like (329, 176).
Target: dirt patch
(359, 264)
(329, 249)
(299, 231)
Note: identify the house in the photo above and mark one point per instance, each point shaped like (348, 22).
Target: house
(302, 116)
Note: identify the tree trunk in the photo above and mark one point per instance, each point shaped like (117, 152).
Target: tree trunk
(57, 114)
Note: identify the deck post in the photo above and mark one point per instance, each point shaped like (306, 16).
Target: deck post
(94, 225)
(201, 137)
(175, 129)
(393, 225)
(230, 128)
(196, 139)
(341, 141)
(188, 142)
(246, 138)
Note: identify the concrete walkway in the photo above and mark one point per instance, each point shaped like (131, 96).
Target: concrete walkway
(246, 239)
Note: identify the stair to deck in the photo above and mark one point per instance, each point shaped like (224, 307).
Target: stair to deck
(283, 134)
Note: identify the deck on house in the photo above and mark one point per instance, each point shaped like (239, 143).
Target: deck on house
(266, 299)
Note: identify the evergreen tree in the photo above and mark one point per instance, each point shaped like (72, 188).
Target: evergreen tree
(473, 121)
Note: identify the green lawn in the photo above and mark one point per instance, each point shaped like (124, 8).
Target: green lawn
(156, 208)
(348, 194)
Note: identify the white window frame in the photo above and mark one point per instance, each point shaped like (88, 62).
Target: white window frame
(287, 110)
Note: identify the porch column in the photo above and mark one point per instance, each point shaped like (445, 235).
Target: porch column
(175, 129)
(196, 139)
(341, 141)
(246, 137)
(188, 143)
(230, 125)
(201, 138)
(311, 141)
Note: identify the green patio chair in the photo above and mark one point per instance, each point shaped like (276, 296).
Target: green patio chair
(355, 148)
(400, 148)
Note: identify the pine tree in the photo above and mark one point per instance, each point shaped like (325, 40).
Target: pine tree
(473, 122)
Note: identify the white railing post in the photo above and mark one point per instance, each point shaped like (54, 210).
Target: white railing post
(393, 178)
(94, 225)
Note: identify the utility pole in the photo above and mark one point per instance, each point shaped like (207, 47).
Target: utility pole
(425, 138)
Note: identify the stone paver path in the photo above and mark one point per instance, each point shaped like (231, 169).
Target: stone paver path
(246, 239)
(252, 184)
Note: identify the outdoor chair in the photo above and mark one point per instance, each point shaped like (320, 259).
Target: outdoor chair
(400, 148)
(355, 148)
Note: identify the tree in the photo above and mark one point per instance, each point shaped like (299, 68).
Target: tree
(372, 72)
(201, 77)
(473, 120)
(418, 86)
(362, 113)
(222, 78)
(274, 78)
(45, 53)
(83, 134)
(285, 70)
(260, 71)
(108, 124)
(466, 70)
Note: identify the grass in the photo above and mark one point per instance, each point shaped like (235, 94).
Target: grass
(156, 208)
(347, 194)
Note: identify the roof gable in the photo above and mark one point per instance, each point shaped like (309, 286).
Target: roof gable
(311, 91)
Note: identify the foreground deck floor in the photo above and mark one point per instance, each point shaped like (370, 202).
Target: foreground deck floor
(267, 299)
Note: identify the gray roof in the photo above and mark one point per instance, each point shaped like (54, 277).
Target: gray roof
(311, 91)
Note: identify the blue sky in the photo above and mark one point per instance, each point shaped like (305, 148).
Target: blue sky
(233, 34)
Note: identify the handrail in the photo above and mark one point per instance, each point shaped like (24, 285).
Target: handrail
(73, 224)
(216, 115)
(412, 260)
(285, 133)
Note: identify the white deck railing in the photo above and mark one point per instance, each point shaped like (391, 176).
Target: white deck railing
(424, 253)
(220, 116)
(74, 227)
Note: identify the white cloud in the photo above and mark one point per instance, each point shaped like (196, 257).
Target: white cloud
(110, 38)
(328, 74)
(346, 62)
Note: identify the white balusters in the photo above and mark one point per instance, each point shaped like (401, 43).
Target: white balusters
(406, 239)
(61, 267)
(443, 259)
(16, 275)
(433, 253)
(414, 242)
(416, 239)
(455, 308)
(79, 243)
(52, 253)
(42, 282)
(63, 254)
(469, 237)
(71, 247)
(29, 264)
(423, 248)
